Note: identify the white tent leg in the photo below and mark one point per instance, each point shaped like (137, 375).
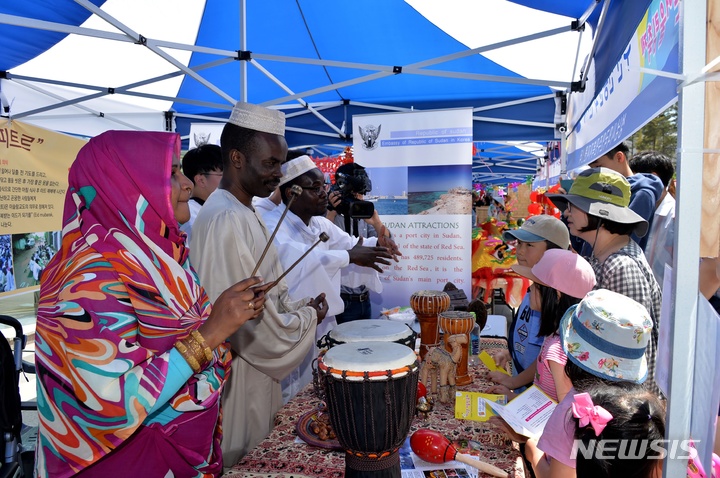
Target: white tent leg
(691, 113)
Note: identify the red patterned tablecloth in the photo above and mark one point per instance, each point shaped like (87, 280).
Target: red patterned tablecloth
(280, 456)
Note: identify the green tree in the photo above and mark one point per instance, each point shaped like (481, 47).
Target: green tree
(660, 134)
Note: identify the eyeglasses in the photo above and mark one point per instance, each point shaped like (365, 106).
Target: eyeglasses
(314, 189)
(569, 208)
(212, 174)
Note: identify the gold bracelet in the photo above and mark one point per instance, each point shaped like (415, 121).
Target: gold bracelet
(196, 351)
(192, 361)
(195, 334)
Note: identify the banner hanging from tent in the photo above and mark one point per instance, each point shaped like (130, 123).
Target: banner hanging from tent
(630, 97)
(420, 165)
(34, 165)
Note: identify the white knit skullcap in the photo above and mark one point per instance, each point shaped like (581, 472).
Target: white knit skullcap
(296, 167)
(258, 118)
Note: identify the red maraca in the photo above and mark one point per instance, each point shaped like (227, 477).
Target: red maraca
(436, 448)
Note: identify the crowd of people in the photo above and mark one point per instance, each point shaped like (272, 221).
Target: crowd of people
(587, 331)
(168, 334)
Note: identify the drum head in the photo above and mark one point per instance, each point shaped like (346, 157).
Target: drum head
(370, 330)
(359, 357)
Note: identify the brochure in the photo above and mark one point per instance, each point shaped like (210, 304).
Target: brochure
(528, 412)
(472, 406)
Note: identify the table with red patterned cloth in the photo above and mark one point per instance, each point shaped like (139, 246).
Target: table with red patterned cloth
(280, 456)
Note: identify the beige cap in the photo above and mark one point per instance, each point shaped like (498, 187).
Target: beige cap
(296, 167)
(541, 228)
(258, 118)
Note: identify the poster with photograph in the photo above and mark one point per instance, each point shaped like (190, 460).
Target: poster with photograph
(34, 165)
(420, 166)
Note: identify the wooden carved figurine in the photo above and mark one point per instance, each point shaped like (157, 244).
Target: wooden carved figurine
(439, 367)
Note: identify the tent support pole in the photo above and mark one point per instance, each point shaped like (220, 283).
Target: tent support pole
(302, 102)
(243, 47)
(691, 112)
(155, 49)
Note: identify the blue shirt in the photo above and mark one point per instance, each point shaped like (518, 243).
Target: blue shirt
(525, 341)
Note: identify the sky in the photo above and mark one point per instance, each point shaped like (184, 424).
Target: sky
(388, 181)
(437, 178)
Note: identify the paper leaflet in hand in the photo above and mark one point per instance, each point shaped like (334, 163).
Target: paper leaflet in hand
(489, 362)
(527, 413)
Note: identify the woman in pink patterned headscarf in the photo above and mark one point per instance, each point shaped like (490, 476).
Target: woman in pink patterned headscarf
(126, 385)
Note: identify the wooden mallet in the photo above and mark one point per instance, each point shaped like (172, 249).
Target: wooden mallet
(295, 191)
(322, 238)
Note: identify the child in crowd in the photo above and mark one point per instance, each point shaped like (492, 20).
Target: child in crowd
(622, 416)
(604, 337)
(597, 211)
(628, 425)
(560, 279)
(537, 235)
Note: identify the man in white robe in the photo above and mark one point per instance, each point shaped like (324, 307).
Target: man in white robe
(228, 240)
(320, 269)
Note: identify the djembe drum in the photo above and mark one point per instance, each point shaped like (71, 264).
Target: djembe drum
(369, 330)
(427, 304)
(370, 390)
(458, 322)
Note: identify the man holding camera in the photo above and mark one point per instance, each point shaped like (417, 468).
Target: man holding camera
(357, 217)
(320, 270)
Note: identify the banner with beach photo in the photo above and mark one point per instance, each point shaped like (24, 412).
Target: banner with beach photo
(34, 165)
(420, 165)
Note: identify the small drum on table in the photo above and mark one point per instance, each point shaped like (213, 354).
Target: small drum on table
(427, 304)
(370, 390)
(458, 322)
(369, 330)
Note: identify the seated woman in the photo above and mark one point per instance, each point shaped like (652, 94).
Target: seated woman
(130, 355)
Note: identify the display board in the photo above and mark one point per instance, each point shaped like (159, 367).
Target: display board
(420, 167)
(34, 165)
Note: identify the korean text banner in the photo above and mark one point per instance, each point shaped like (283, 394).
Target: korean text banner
(34, 165)
(633, 95)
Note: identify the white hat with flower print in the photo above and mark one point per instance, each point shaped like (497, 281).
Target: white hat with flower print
(606, 335)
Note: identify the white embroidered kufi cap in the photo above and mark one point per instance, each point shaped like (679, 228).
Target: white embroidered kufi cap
(296, 167)
(258, 118)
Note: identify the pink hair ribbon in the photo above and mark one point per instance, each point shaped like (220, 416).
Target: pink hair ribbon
(590, 414)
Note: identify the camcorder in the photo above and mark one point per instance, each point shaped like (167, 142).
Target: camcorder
(348, 185)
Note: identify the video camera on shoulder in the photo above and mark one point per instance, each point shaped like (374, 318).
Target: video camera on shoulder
(351, 179)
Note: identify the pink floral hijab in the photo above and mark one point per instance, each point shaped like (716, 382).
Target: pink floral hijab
(113, 300)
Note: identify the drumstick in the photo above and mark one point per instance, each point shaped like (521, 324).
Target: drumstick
(322, 238)
(295, 191)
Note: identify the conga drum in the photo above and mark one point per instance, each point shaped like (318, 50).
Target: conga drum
(458, 322)
(369, 330)
(370, 391)
(427, 304)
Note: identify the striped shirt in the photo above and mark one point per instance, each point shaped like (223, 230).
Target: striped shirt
(551, 351)
(628, 273)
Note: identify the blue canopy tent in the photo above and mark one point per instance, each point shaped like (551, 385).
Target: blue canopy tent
(503, 163)
(322, 62)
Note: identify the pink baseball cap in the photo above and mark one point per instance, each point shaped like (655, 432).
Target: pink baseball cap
(562, 270)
